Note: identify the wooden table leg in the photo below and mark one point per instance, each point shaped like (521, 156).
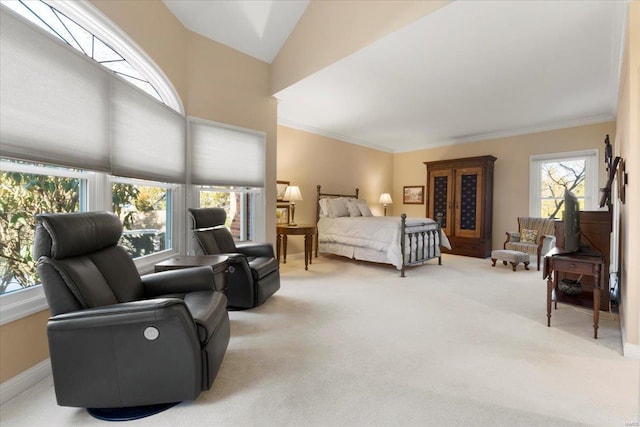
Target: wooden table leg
(284, 249)
(310, 248)
(306, 251)
(549, 292)
(278, 245)
(596, 304)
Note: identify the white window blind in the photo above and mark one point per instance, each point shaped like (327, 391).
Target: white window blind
(222, 155)
(54, 104)
(148, 139)
(58, 106)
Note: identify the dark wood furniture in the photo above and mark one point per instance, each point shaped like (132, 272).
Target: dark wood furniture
(462, 191)
(595, 228)
(217, 262)
(590, 265)
(284, 230)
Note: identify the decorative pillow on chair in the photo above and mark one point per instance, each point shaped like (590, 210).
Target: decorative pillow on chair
(528, 236)
(514, 237)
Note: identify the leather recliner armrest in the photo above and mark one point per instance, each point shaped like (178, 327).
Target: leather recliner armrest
(252, 249)
(143, 311)
(178, 281)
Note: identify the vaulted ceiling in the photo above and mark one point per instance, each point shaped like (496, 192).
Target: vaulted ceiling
(470, 70)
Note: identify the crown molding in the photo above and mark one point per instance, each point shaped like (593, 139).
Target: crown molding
(563, 124)
(332, 135)
(583, 121)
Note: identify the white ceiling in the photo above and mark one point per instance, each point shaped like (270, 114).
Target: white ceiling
(258, 28)
(468, 71)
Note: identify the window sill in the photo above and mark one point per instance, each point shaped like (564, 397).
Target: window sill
(18, 304)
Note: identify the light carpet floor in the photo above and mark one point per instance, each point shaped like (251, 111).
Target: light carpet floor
(353, 344)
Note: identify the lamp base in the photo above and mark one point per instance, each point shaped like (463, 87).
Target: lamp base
(293, 214)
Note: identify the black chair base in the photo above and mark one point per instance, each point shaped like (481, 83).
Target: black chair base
(130, 413)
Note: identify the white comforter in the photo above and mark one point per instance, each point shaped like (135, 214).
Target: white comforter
(380, 233)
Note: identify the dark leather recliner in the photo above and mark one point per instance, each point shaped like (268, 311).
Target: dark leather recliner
(116, 339)
(253, 274)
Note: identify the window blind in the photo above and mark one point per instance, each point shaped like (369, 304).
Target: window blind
(54, 104)
(59, 106)
(222, 155)
(148, 138)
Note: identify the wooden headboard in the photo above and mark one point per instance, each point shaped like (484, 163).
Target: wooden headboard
(321, 195)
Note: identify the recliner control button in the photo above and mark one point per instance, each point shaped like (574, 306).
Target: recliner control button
(151, 333)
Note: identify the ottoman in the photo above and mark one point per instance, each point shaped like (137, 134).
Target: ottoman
(512, 257)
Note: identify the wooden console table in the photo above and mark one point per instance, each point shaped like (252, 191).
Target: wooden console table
(284, 230)
(590, 264)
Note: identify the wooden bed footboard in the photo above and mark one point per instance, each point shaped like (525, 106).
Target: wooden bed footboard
(418, 249)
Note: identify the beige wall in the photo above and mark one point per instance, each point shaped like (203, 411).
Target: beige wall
(308, 160)
(627, 146)
(331, 30)
(214, 82)
(23, 344)
(511, 173)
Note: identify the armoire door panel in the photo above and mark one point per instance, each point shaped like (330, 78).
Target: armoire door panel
(467, 202)
(441, 202)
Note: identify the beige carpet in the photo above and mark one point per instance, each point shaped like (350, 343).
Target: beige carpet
(353, 344)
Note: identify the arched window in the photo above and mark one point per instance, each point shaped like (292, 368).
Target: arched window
(83, 27)
(53, 142)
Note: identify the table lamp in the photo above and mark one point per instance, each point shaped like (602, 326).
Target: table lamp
(385, 199)
(291, 194)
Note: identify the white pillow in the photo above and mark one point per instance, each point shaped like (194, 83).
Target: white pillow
(364, 208)
(338, 207)
(353, 208)
(324, 208)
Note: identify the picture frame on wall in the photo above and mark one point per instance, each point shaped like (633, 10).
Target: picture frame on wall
(413, 194)
(282, 213)
(281, 187)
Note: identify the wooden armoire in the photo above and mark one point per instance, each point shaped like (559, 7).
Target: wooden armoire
(462, 191)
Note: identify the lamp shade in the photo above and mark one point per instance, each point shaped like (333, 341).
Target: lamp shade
(385, 198)
(292, 193)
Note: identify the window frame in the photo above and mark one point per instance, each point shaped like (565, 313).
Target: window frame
(145, 263)
(592, 158)
(244, 205)
(24, 302)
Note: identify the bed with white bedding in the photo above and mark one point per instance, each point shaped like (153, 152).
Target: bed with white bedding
(347, 228)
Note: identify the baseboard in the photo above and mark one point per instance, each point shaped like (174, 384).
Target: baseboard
(23, 381)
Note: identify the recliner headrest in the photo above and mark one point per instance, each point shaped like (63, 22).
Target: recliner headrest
(64, 235)
(207, 217)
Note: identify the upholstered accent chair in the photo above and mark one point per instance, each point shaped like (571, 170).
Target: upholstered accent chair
(116, 339)
(253, 274)
(534, 236)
